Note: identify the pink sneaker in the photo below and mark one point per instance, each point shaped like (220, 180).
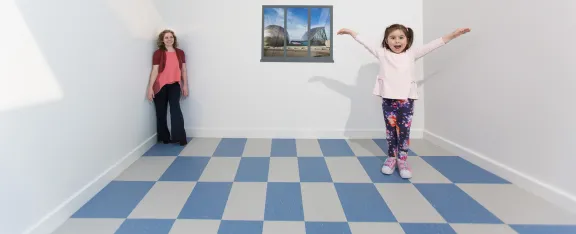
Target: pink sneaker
(405, 170)
(389, 165)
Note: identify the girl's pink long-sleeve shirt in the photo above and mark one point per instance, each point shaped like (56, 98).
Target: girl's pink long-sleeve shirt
(396, 78)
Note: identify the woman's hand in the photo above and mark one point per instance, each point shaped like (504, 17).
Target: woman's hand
(346, 31)
(150, 94)
(185, 91)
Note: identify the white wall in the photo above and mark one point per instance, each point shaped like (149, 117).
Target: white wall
(72, 103)
(505, 92)
(234, 94)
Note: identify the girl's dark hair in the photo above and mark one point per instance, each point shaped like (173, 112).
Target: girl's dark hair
(160, 40)
(407, 31)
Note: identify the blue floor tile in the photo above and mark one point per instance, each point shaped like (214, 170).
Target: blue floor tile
(373, 167)
(284, 202)
(240, 227)
(207, 201)
(313, 169)
(116, 200)
(185, 169)
(363, 203)
(231, 147)
(253, 170)
(335, 147)
(327, 228)
(161, 149)
(541, 229)
(455, 205)
(427, 228)
(145, 226)
(383, 144)
(283, 148)
(458, 170)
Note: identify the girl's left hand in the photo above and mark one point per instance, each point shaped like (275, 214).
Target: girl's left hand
(460, 32)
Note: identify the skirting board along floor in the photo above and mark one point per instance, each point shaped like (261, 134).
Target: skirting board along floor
(523, 180)
(295, 133)
(59, 215)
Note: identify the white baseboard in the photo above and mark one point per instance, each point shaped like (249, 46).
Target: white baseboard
(548, 192)
(294, 133)
(58, 216)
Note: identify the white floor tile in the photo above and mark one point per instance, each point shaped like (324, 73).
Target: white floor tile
(482, 228)
(284, 227)
(347, 170)
(188, 226)
(148, 168)
(308, 148)
(220, 169)
(283, 169)
(425, 173)
(246, 201)
(373, 228)
(365, 147)
(202, 147)
(321, 203)
(163, 201)
(89, 226)
(258, 148)
(408, 205)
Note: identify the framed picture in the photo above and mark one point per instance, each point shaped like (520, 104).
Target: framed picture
(297, 33)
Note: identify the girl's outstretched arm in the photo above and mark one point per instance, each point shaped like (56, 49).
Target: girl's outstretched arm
(360, 40)
(430, 46)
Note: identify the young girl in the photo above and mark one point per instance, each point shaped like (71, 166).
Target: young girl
(168, 80)
(397, 86)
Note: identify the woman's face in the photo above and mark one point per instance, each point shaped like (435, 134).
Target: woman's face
(168, 39)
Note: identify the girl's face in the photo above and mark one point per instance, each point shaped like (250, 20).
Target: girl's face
(168, 39)
(397, 41)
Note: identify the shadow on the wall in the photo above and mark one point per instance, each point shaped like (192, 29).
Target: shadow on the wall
(361, 98)
(453, 57)
(428, 77)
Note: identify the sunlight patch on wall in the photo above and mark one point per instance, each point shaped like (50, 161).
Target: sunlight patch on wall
(25, 77)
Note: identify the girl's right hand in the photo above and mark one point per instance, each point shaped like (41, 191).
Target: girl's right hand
(343, 31)
(346, 31)
(150, 94)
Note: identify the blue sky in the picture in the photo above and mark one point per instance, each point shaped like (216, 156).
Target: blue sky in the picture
(273, 16)
(297, 20)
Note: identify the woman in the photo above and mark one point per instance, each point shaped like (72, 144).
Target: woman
(168, 82)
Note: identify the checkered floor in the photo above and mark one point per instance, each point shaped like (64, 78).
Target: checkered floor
(327, 186)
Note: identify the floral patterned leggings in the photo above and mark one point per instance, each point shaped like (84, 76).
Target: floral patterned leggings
(398, 118)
